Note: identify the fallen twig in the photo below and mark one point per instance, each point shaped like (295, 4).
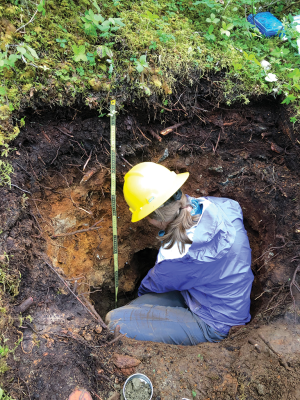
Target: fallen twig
(273, 297)
(256, 346)
(281, 359)
(25, 191)
(113, 341)
(27, 23)
(97, 318)
(171, 128)
(155, 135)
(87, 176)
(26, 387)
(294, 283)
(65, 133)
(270, 249)
(55, 156)
(25, 305)
(215, 148)
(126, 161)
(95, 394)
(75, 232)
(118, 154)
(87, 161)
(143, 134)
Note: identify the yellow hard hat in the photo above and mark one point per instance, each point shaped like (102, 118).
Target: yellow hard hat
(148, 185)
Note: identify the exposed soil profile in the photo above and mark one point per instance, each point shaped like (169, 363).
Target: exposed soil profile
(61, 185)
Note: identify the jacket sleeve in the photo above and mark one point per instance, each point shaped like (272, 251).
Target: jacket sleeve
(168, 275)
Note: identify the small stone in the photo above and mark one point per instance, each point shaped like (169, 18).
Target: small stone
(114, 396)
(188, 161)
(261, 389)
(88, 337)
(98, 329)
(122, 361)
(216, 170)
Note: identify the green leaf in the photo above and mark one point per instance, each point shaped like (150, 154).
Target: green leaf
(96, 6)
(119, 22)
(143, 59)
(41, 8)
(32, 51)
(29, 57)
(237, 67)
(2, 91)
(295, 75)
(79, 52)
(101, 51)
(21, 50)
(139, 67)
(289, 99)
(109, 52)
(12, 59)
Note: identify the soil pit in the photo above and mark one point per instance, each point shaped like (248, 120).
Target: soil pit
(59, 210)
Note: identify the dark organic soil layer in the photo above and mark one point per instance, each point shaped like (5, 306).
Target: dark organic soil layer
(61, 184)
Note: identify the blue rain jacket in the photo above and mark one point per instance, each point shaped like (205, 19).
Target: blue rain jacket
(215, 276)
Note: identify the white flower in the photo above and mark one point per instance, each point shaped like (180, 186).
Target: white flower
(271, 77)
(266, 65)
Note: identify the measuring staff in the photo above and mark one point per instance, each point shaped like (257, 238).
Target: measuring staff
(113, 194)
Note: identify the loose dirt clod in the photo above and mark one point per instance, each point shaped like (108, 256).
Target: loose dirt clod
(137, 389)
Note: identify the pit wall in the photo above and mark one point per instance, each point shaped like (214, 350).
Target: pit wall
(242, 155)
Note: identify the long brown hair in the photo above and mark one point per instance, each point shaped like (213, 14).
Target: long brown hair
(181, 220)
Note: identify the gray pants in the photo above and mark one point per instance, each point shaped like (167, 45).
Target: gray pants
(162, 317)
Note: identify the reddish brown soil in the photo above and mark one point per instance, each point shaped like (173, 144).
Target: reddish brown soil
(248, 154)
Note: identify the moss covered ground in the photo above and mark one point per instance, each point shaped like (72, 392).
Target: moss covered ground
(62, 52)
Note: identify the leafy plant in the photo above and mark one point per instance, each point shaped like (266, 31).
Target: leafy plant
(289, 99)
(4, 396)
(209, 35)
(280, 52)
(62, 42)
(212, 19)
(165, 37)
(41, 7)
(79, 53)
(141, 64)
(153, 45)
(104, 51)
(148, 14)
(94, 22)
(225, 30)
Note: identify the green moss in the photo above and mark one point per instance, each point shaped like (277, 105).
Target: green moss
(173, 34)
